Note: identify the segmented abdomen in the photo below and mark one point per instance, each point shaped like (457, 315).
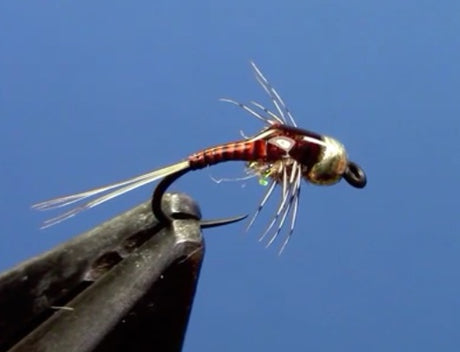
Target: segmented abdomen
(241, 150)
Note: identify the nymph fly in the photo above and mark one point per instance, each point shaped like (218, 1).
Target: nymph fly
(280, 154)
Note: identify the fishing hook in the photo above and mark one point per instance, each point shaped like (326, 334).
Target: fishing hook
(166, 219)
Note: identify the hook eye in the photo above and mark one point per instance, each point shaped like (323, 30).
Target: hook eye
(355, 176)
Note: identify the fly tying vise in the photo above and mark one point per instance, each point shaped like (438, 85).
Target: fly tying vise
(280, 154)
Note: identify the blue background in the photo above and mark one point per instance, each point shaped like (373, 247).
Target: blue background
(94, 92)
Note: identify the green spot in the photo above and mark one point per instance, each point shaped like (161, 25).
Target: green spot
(263, 181)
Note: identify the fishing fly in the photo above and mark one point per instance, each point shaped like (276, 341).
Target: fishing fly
(281, 154)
